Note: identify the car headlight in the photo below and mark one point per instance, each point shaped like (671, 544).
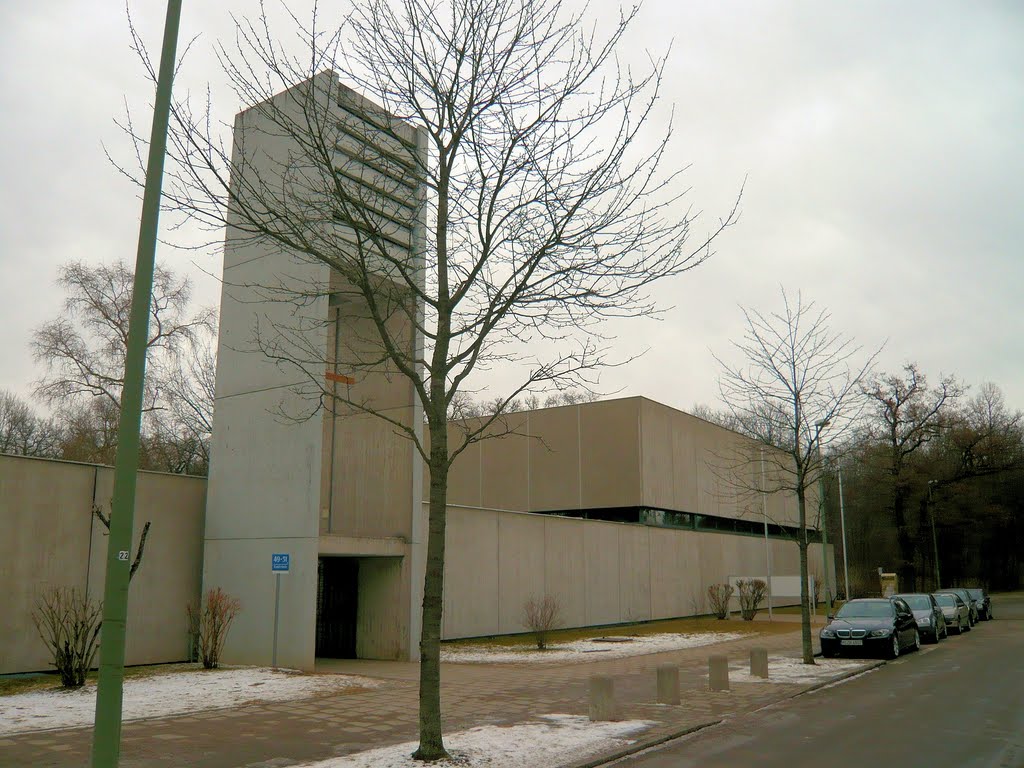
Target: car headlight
(924, 622)
(828, 633)
(880, 632)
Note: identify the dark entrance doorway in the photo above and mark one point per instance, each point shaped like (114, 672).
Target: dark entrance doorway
(337, 603)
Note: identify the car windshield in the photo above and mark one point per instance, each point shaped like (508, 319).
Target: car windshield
(975, 593)
(917, 602)
(869, 609)
(946, 600)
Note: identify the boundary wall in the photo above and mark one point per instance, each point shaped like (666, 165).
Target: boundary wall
(52, 539)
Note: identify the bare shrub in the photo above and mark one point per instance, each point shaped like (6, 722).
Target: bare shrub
(719, 596)
(816, 595)
(752, 593)
(69, 623)
(698, 601)
(208, 624)
(540, 617)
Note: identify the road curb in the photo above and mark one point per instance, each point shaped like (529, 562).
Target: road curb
(640, 746)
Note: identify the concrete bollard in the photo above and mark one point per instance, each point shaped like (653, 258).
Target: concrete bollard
(718, 673)
(759, 663)
(602, 699)
(668, 684)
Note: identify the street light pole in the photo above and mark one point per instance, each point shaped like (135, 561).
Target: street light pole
(935, 541)
(821, 518)
(767, 546)
(842, 523)
(106, 741)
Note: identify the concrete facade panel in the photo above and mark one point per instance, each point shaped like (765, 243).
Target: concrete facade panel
(381, 626)
(634, 572)
(564, 569)
(242, 568)
(521, 548)
(601, 573)
(554, 459)
(264, 474)
(471, 596)
(610, 453)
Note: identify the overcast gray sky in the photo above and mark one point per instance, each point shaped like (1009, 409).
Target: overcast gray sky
(881, 143)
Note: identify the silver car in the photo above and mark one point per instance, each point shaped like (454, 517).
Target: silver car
(955, 611)
(930, 620)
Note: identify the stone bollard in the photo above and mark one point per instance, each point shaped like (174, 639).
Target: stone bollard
(718, 673)
(602, 699)
(668, 684)
(759, 662)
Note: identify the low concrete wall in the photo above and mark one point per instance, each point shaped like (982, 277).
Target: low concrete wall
(51, 538)
(600, 573)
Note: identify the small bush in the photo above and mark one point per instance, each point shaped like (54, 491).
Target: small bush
(69, 623)
(540, 617)
(209, 622)
(752, 593)
(719, 596)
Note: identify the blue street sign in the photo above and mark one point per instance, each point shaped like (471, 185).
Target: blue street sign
(280, 562)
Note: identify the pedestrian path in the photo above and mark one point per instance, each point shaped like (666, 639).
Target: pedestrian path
(275, 735)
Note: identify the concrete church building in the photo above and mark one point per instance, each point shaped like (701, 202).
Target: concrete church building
(622, 510)
(615, 508)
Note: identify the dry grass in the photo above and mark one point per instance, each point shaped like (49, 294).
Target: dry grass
(50, 681)
(682, 626)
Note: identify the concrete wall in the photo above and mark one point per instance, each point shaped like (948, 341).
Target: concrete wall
(631, 452)
(53, 539)
(600, 573)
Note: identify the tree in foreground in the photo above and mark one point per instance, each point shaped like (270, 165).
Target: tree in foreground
(547, 210)
(796, 387)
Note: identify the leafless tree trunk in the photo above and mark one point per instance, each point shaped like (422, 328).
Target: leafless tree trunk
(546, 203)
(796, 384)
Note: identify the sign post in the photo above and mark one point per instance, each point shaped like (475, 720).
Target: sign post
(280, 562)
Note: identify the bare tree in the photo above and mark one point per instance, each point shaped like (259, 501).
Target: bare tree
(546, 209)
(24, 433)
(796, 387)
(83, 350)
(907, 415)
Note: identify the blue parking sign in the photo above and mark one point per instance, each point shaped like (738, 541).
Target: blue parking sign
(280, 562)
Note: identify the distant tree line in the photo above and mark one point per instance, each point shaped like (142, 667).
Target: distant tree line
(932, 484)
(81, 356)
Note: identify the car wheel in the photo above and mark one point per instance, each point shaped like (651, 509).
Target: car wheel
(959, 626)
(968, 626)
(895, 650)
(917, 640)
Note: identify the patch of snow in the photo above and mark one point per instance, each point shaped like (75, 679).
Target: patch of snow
(783, 669)
(555, 741)
(174, 693)
(581, 650)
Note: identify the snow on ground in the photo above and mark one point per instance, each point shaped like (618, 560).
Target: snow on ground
(556, 740)
(172, 693)
(783, 669)
(583, 650)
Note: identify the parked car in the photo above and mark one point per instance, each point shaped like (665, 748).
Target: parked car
(966, 597)
(982, 600)
(872, 625)
(954, 610)
(930, 621)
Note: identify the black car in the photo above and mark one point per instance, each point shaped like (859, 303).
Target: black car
(928, 615)
(882, 626)
(982, 600)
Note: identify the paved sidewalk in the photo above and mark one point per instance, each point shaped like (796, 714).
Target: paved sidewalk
(280, 734)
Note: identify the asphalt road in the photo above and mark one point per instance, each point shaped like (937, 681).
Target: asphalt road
(960, 703)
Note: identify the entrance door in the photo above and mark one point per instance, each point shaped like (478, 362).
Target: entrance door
(337, 598)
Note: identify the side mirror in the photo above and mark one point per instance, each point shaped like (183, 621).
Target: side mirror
(830, 616)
